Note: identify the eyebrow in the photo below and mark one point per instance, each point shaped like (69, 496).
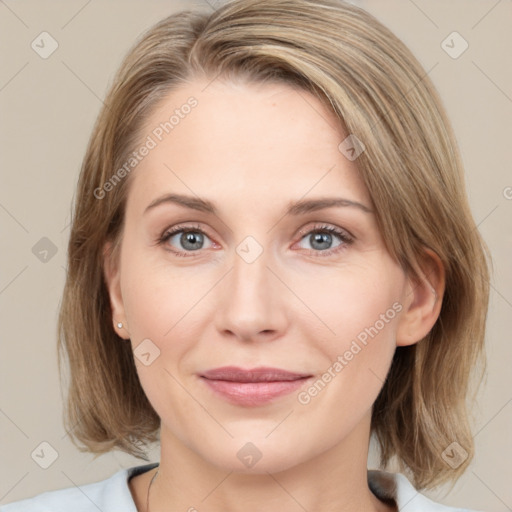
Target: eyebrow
(294, 208)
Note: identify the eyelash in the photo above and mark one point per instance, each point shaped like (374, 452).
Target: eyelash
(345, 238)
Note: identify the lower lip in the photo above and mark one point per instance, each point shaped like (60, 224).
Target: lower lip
(253, 393)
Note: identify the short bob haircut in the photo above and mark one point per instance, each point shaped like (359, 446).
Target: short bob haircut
(411, 166)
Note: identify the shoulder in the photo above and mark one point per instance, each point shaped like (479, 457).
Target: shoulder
(397, 487)
(110, 495)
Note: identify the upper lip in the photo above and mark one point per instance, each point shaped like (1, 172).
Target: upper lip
(259, 374)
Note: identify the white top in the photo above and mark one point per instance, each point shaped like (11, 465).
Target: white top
(113, 495)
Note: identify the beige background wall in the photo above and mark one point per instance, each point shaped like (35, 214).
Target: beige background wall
(48, 107)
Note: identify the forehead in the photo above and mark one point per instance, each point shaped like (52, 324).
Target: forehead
(250, 141)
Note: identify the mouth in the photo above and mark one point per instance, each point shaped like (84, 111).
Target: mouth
(260, 374)
(257, 386)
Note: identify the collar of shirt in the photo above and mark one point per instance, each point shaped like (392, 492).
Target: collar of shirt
(113, 495)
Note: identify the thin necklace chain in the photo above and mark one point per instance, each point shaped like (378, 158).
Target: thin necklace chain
(149, 488)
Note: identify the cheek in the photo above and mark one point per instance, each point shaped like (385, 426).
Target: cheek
(159, 304)
(148, 307)
(360, 308)
(350, 301)
(157, 295)
(364, 317)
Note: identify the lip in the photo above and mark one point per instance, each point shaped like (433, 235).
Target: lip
(259, 374)
(256, 386)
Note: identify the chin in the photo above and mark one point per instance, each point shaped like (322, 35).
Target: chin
(254, 455)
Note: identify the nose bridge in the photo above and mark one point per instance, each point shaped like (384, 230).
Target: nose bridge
(250, 303)
(250, 272)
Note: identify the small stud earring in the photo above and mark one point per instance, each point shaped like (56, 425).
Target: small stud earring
(120, 325)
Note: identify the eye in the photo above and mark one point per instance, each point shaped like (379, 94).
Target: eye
(321, 238)
(188, 239)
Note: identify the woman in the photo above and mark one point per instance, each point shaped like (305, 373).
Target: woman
(271, 260)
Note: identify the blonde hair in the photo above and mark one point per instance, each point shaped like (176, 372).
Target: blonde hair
(411, 167)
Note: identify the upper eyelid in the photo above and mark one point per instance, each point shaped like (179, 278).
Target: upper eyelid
(326, 225)
(182, 227)
(179, 228)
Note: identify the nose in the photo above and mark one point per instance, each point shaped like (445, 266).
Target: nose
(252, 302)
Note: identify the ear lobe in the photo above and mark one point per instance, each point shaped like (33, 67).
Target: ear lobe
(111, 272)
(423, 301)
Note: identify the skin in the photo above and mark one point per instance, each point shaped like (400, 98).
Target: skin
(252, 149)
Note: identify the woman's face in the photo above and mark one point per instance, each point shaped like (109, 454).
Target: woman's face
(268, 279)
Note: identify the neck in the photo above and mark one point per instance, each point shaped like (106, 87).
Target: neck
(333, 479)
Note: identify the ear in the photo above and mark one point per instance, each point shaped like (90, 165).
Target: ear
(111, 268)
(423, 300)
